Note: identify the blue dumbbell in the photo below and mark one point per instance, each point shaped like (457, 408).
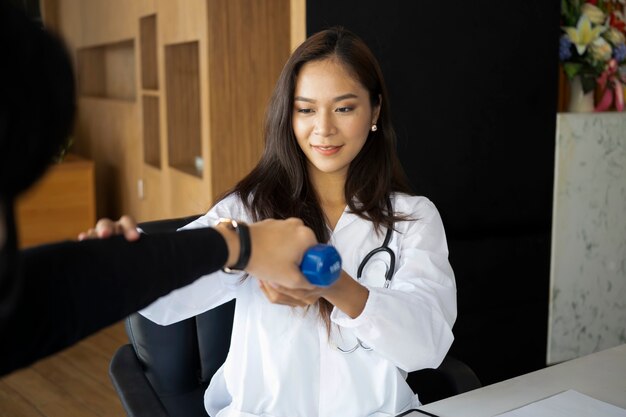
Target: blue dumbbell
(321, 265)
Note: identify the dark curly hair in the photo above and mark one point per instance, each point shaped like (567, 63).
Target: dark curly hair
(37, 100)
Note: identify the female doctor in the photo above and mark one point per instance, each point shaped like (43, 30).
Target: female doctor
(330, 159)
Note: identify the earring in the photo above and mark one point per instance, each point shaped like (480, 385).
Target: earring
(374, 128)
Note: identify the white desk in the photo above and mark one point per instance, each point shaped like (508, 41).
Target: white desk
(600, 375)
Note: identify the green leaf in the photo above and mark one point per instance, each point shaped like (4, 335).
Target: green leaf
(588, 82)
(572, 69)
(570, 11)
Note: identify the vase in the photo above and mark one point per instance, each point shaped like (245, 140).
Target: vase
(579, 101)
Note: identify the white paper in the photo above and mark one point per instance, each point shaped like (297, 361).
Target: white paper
(567, 404)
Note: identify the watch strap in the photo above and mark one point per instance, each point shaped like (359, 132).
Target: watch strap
(245, 246)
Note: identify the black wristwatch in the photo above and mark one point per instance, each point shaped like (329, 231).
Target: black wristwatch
(245, 247)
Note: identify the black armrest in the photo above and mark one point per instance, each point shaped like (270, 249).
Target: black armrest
(453, 377)
(166, 225)
(134, 390)
(460, 376)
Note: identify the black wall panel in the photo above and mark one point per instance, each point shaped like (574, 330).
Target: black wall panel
(473, 93)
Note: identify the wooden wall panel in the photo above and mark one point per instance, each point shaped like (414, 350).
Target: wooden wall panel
(182, 21)
(108, 21)
(108, 131)
(248, 46)
(68, 24)
(50, 14)
(298, 23)
(188, 195)
(241, 48)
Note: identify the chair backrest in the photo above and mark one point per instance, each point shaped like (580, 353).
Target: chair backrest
(179, 360)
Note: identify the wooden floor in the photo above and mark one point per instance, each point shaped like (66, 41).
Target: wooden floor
(73, 383)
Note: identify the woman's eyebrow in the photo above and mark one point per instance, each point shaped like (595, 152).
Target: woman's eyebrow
(336, 99)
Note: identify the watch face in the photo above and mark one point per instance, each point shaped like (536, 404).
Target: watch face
(232, 224)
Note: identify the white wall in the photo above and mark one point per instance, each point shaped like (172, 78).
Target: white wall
(588, 268)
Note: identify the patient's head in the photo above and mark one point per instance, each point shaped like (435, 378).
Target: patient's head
(36, 100)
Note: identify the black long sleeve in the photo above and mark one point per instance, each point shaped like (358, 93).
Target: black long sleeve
(54, 295)
(69, 290)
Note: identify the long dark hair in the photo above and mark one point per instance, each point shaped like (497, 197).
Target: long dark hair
(279, 186)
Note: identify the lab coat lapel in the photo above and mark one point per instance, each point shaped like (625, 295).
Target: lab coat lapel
(345, 219)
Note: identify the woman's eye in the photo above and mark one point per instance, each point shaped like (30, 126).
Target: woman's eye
(304, 111)
(344, 109)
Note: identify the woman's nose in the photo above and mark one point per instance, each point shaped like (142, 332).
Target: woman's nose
(324, 125)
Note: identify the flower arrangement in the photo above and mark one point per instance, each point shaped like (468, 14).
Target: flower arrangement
(593, 47)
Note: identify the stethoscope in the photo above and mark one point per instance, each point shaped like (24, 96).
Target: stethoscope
(388, 275)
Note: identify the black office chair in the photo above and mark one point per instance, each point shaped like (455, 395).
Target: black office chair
(165, 370)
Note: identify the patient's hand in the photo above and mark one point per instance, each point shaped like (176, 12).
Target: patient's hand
(277, 250)
(126, 226)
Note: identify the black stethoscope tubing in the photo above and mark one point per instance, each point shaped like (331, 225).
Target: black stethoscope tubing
(383, 248)
(388, 274)
(392, 259)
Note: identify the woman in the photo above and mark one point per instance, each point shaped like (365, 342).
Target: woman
(330, 159)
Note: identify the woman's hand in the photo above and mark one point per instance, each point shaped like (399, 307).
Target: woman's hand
(346, 294)
(278, 294)
(126, 226)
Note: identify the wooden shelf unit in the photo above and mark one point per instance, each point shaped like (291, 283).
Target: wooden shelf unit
(182, 84)
(187, 85)
(107, 71)
(60, 206)
(150, 100)
(148, 45)
(151, 131)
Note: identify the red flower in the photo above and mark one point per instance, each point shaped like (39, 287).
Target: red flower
(594, 2)
(617, 23)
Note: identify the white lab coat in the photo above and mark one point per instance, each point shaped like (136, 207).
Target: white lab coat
(281, 362)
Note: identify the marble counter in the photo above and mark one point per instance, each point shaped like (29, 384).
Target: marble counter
(588, 266)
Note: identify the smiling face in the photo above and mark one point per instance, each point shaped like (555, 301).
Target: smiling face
(332, 117)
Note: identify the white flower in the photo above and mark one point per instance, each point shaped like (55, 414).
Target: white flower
(600, 50)
(583, 34)
(594, 13)
(614, 36)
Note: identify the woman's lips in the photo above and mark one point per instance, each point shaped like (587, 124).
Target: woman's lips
(326, 150)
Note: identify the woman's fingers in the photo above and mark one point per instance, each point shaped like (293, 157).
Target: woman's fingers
(295, 298)
(276, 297)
